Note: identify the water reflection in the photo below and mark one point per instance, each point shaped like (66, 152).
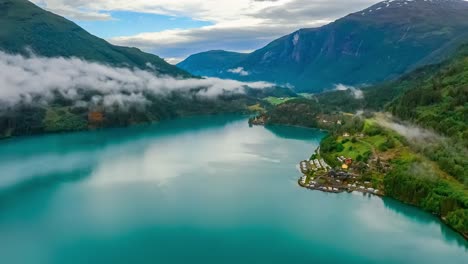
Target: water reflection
(418, 215)
(45, 183)
(194, 185)
(297, 133)
(29, 161)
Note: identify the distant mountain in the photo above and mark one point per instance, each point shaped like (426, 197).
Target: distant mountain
(434, 97)
(25, 28)
(427, 158)
(102, 96)
(212, 63)
(379, 43)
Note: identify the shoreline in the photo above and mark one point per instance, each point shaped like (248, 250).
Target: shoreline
(380, 195)
(337, 187)
(119, 127)
(342, 190)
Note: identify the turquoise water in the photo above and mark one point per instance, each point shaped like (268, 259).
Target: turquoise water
(205, 189)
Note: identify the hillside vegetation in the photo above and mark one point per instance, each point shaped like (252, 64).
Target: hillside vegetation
(401, 168)
(434, 97)
(439, 102)
(26, 28)
(62, 115)
(421, 160)
(373, 45)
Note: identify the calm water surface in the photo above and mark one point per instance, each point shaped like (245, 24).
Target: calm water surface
(205, 189)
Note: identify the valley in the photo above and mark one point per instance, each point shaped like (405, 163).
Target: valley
(339, 139)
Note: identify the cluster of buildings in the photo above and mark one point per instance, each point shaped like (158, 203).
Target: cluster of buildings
(363, 188)
(339, 174)
(317, 164)
(316, 186)
(304, 167)
(303, 180)
(346, 162)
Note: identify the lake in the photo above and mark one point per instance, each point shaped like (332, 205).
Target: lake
(201, 189)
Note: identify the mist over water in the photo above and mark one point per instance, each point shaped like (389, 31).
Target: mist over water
(36, 79)
(204, 189)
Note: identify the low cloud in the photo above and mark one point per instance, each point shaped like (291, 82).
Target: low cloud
(239, 71)
(25, 79)
(358, 94)
(411, 132)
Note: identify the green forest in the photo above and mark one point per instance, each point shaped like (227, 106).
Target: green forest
(431, 173)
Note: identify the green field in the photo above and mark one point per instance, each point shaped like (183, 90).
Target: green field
(404, 170)
(353, 150)
(277, 100)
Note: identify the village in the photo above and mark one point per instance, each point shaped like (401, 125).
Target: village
(318, 175)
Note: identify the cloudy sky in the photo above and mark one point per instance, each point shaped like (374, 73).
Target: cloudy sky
(174, 29)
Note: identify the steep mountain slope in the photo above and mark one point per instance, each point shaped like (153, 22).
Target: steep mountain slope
(102, 86)
(420, 160)
(26, 28)
(434, 97)
(439, 102)
(212, 63)
(373, 45)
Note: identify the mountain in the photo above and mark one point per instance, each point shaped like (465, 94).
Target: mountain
(433, 96)
(55, 94)
(211, 63)
(27, 28)
(439, 102)
(418, 158)
(379, 43)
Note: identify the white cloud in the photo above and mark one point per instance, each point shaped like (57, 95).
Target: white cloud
(358, 94)
(411, 132)
(26, 78)
(173, 61)
(236, 25)
(240, 71)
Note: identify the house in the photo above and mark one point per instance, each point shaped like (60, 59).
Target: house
(348, 161)
(95, 117)
(344, 167)
(346, 135)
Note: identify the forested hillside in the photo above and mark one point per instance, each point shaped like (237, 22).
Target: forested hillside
(420, 157)
(439, 102)
(376, 44)
(25, 28)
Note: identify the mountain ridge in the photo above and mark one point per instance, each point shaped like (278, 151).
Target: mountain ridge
(211, 61)
(26, 29)
(395, 36)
